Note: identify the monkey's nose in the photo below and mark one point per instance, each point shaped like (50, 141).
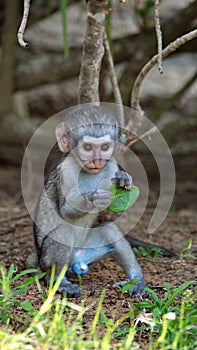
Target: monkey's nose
(98, 163)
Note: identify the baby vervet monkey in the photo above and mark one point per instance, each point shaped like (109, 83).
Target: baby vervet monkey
(75, 191)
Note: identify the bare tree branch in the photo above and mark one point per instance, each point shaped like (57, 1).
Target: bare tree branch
(110, 66)
(50, 66)
(173, 46)
(22, 27)
(136, 139)
(159, 36)
(138, 82)
(143, 45)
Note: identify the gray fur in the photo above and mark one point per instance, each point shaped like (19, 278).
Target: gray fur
(69, 204)
(94, 121)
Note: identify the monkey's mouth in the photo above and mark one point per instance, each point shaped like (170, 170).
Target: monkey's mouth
(95, 166)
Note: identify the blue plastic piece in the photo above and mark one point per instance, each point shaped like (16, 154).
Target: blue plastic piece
(80, 268)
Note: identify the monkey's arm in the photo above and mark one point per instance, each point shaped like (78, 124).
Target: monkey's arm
(76, 205)
(78, 191)
(125, 180)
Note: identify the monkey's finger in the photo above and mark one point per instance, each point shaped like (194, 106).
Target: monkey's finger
(101, 206)
(122, 182)
(128, 183)
(120, 283)
(128, 187)
(102, 202)
(138, 290)
(114, 180)
(123, 179)
(102, 194)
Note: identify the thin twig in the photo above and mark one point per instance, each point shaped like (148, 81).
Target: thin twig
(138, 138)
(159, 36)
(173, 46)
(114, 82)
(22, 27)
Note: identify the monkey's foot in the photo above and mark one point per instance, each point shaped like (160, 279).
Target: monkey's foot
(69, 289)
(138, 289)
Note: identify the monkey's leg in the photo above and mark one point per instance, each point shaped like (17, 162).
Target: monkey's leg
(109, 239)
(55, 252)
(125, 256)
(135, 243)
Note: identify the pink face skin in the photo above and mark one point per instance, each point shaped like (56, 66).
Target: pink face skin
(94, 152)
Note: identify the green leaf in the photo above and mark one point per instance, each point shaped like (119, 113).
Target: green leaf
(18, 291)
(121, 332)
(103, 318)
(187, 245)
(122, 199)
(144, 305)
(26, 305)
(188, 255)
(129, 285)
(143, 251)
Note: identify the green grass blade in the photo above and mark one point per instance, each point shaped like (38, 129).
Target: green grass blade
(96, 317)
(176, 292)
(154, 296)
(11, 271)
(30, 280)
(25, 272)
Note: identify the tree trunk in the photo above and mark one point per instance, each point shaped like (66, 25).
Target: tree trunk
(8, 56)
(93, 51)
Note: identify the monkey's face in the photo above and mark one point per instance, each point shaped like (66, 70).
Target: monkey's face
(94, 152)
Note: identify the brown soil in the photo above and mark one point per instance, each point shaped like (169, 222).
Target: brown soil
(180, 225)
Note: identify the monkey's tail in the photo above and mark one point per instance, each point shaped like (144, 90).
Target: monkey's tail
(135, 243)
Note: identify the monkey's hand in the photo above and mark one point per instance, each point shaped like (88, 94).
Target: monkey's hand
(138, 289)
(122, 179)
(100, 198)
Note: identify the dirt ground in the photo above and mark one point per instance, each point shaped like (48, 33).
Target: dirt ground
(180, 225)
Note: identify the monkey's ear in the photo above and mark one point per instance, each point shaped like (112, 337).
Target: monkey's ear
(62, 138)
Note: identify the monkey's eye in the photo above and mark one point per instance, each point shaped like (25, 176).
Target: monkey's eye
(87, 147)
(105, 147)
